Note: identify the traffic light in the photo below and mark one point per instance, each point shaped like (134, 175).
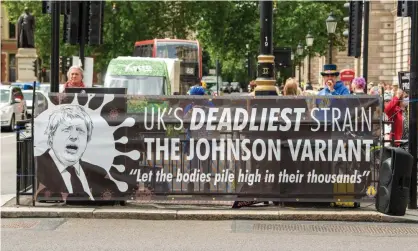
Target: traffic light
(71, 22)
(62, 64)
(248, 64)
(69, 63)
(35, 66)
(205, 62)
(404, 8)
(46, 7)
(95, 22)
(355, 22)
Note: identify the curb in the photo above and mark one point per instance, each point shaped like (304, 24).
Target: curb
(203, 215)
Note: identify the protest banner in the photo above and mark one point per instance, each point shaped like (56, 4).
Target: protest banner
(120, 147)
(404, 80)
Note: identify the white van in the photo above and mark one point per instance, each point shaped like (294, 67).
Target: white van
(144, 76)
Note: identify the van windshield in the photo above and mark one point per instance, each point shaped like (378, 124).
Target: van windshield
(4, 96)
(137, 85)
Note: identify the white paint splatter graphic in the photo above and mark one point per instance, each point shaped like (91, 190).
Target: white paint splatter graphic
(101, 150)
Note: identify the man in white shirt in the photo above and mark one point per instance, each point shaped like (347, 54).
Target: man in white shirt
(60, 171)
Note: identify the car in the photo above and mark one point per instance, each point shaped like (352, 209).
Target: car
(214, 92)
(226, 87)
(236, 87)
(25, 86)
(47, 87)
(41, 100)
(12, 106)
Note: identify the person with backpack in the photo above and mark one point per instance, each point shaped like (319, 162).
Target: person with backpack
(204, 104)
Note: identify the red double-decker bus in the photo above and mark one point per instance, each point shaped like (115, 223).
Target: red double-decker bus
(188, 51)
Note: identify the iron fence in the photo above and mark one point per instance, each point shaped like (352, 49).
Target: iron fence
(230, 190)
(233, 190)
(25, 164)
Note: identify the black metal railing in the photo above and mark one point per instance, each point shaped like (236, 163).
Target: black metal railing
(225, 190)
(25, 164)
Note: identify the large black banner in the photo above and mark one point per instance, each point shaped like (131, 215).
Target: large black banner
(119, 147)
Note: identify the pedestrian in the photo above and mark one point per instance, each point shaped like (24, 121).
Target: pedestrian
(387, 127)
(75, 77)
(395, 87)
(332, 87)
(394, 110)
(251, 88)
(405, 118)
(204, 104)
(331, 84)
(358, 86)
(290, 88)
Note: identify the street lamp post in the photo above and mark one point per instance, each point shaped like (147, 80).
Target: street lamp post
(265, 70)
(331, 23)
(292, 57)
(55, 49)
(247, 46)
(114, 11)
(299, 51)
(265, 82)
(309, 43)
(413, 113)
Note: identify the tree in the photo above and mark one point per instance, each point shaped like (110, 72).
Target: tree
(224, 30)
(126, 29)
(222, 27)
(228, 26)
(293, 21)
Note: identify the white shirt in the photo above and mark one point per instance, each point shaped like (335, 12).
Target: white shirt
(66, 176)
(387, 127)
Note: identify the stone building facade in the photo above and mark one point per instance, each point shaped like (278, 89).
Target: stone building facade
(389, 48)
(8, 48)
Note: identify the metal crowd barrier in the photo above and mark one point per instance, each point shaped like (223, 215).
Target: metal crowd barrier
(25, 164)
(226, 191)
(282, 192)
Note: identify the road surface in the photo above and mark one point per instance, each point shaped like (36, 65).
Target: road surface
(106, 234)
(8, 162)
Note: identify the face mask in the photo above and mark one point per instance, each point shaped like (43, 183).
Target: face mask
(405, 101)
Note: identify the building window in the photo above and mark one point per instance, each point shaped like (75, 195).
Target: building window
(12, 68)
(12, 30)
(12, 60)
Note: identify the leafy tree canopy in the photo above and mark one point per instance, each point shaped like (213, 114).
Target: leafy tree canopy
(224, 28)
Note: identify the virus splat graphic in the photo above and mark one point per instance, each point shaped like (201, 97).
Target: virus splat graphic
(142, 194)
(101, 150)
(113, 114)
(64, 196)
(107, 195)
(47, 194)
(60, 97)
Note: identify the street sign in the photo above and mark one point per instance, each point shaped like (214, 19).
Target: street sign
(347, 75)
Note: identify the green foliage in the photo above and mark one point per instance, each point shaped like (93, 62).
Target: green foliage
(293, 21)
(227, 27)
(223, 28)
